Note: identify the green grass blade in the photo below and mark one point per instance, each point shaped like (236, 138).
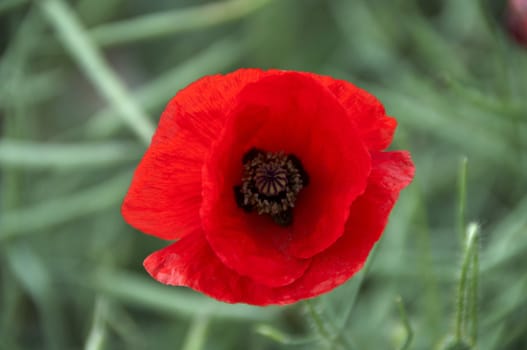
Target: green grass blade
(196, 336)
(32, 155)
(157, 92)
(36, 218)
(34, 276)
(406, 323)
(93, 64)
(463, 302)
(462, 198)
(140, 290)
(170, 22)
(97, 335)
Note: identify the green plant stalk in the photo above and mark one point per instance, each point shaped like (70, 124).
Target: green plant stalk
(54, 211)
(12, 61)
(474, 305)
(197, 334)
(13, 126)
(91, 61)
(33, 155)
(317, 320)
(426, 270)
(11, 291)
(219, 56)
(463, 295)
(406, 324)
(36, 281)
(121, 322)
(97, 335)
(327, 329)
(138, 289)
(362, 277)
(280, 337)
(11, 300)
(97, 12)
(428, 274)
(462, 200)
(170, 22)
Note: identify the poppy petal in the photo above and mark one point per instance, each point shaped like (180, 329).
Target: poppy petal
(287, 112)
(165, 195)
(191, 262)
(391, 172)
(375, 128)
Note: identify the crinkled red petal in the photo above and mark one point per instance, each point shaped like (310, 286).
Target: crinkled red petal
(165, 194)
(376, 129)
(293, 113)
(391, 172)
(191, 262)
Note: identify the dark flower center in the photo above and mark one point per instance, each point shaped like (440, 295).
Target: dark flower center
(270, 184)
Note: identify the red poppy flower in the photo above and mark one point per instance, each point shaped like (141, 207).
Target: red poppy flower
(517, 20)
(274, 185)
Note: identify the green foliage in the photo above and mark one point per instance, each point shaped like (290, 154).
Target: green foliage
(82, 84)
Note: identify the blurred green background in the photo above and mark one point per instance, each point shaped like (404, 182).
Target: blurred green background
(82, 83)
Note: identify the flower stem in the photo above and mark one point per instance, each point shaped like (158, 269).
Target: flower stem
(317, 320)
(327, 329)
(359, 280)
(278, 336)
